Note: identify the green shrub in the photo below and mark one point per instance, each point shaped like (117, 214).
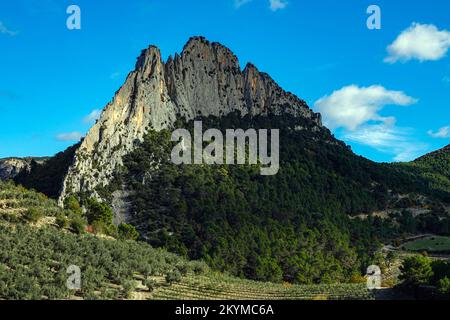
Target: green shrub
(100, 216)
(150, 284)
(146, 270)
(72, 204)
(199, 267)
(61, 220)
(78, 225)
(416, 271)
(97, 211)
(33, 215)
(128, 286)
(174, 276)
(99, 227)
(127, 232)
(183, 269)
(444, 286)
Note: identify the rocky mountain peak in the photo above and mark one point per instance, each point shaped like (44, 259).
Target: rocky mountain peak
(198, 49)
(149, 61)
(205, 79)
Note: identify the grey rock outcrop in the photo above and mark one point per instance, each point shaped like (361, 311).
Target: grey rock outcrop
(11, 167)
(205, 79)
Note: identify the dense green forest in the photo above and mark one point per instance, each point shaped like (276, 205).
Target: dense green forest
(293, 226)
(435, 169)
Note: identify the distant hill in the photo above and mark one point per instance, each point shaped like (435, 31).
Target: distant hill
(435, 169)
(11, 167)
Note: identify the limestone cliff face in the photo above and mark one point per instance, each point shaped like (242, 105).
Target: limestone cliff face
(205, 79)
(10, 168)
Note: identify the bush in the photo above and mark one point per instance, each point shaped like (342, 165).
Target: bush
(100, 217)
(128, 286)
(72, 204)
(78, 225)
(444, 286)
(388, 283)
(97, 211)
(199, 267)
(127, 232)
(441, 269)
(150, 284)
(61, 220)
(99, 227)
(33, 215)
(416, 271)
(183, 269)
(174, 276)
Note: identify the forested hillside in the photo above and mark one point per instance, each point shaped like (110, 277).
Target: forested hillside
(435, 168)
(293, 226)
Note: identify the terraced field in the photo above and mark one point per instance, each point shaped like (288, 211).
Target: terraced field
(15, 200)
(221, 287)
(432, 244)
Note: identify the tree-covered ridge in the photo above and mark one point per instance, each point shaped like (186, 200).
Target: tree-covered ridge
(435, 169)
(293, 226)
(437, 160)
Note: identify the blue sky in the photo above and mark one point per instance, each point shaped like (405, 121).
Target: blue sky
(385, 92)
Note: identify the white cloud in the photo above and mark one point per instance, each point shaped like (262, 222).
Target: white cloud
(441, 133)
(353, 106)
(5, 30)
(446, 79)
(240, 3)
(92, 117)
(356, 110)
(70, 136)
(420, 41)
(277, 4)
(388, 139)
